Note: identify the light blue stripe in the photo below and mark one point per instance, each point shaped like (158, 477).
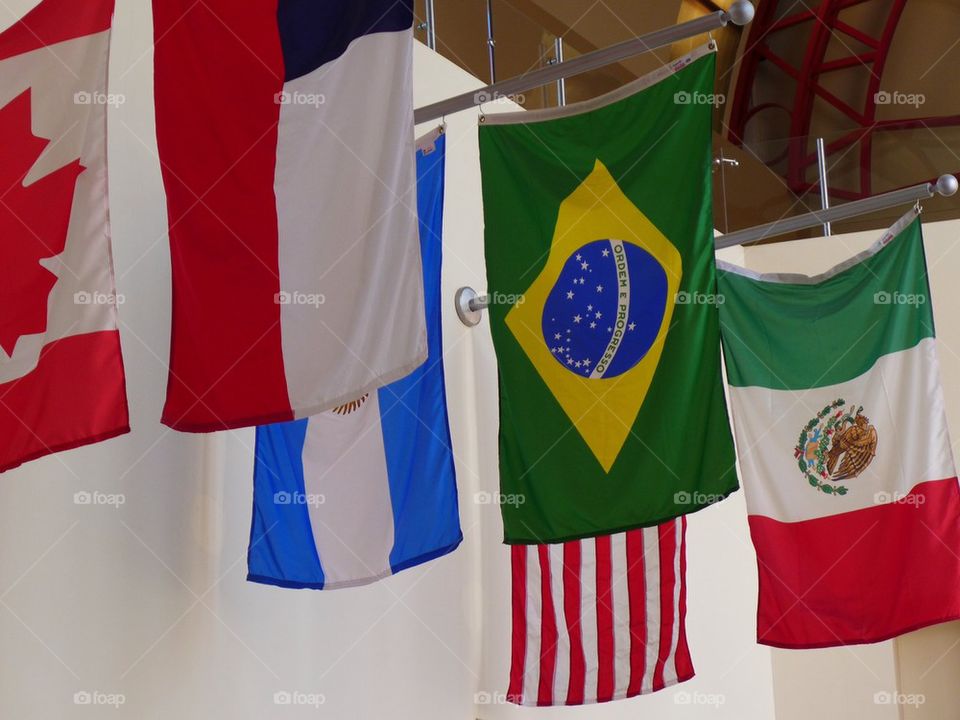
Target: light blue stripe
(416, 431)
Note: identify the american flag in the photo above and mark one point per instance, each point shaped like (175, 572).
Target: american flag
(599, 619)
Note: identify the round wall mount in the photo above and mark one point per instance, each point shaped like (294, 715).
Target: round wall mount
(469, 309)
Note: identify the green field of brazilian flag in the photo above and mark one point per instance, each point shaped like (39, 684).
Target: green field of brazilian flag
(598, 218)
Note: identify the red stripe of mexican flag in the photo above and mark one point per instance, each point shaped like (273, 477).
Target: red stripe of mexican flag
(843, 446)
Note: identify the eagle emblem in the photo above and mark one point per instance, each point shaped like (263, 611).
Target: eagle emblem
(351, 406)
(836, 445)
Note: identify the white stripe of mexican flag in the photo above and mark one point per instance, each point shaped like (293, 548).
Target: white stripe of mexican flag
(901, 400)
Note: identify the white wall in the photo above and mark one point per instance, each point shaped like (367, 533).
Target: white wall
(843, 682)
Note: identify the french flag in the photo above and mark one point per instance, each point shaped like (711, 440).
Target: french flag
(285, 134)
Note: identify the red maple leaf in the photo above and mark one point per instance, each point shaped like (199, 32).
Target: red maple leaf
(33, 224)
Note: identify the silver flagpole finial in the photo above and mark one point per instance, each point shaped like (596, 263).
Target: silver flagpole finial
(947, 185)
(741, 12)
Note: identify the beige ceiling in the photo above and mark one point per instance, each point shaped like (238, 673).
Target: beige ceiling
(753, 192)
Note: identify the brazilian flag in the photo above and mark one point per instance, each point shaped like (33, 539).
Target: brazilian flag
(600, 269)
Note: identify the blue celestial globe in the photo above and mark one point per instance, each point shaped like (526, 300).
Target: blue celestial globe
(603, 314)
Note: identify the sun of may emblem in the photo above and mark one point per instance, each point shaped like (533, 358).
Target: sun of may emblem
(838, 444)
(351, 406)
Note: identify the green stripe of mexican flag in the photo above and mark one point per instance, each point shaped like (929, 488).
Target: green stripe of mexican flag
(843, 446)
(827, 329)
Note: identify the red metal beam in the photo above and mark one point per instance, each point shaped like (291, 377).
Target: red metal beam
(824, 22)
(849, 61)
(856, 34)
(747, 72)
(805, 92)
(779, 61)
(873, 87)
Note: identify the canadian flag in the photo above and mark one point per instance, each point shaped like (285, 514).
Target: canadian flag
(61, 370)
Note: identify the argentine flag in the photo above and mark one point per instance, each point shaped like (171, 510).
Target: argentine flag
(367, 489)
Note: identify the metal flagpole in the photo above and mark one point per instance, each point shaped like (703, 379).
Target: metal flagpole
(431, 26)
(470, 305)
(491, 50)
(561, 83)
(946, 185)
(740, 13)
(824, 193)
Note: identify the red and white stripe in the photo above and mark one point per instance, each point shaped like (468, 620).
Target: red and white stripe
(599, 619)
(62, 383)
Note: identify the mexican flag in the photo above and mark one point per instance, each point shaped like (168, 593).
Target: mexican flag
(601, 276)
(843, 446)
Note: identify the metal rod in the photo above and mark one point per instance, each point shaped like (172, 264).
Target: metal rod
(470, 305)
(740, 13)
(824, 194)
(561, 82)
(491, 48)
(946, 186)
(479, 303)
(431, 25)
